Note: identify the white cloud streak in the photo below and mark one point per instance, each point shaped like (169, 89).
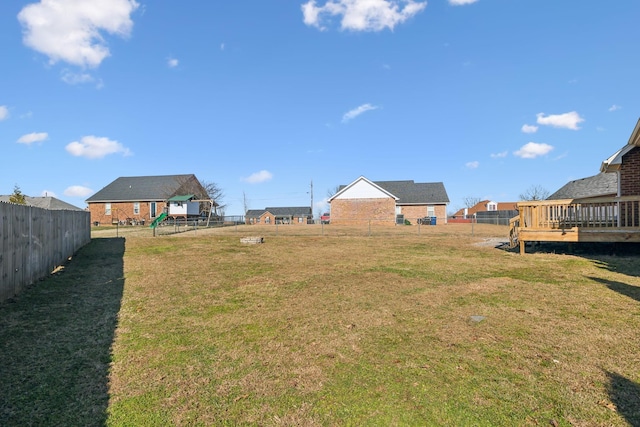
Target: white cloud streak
(258, 177)
(78, 191)
(94, 147)
(567, 120)
(350, 115)
(30, 138)
(361, 15)
(499, 155)
(72, 78)
(4, 112)
(461, 2)
(472, 165)
(72, 30)
(529, 128)
(614, 107)
(531, 150)
(172, 62)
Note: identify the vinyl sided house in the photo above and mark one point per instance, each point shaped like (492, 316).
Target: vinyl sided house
(601, 208)
(388, 202)
(285, 215)
(141, 199)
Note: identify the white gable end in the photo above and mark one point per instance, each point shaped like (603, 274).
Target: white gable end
(362, 190)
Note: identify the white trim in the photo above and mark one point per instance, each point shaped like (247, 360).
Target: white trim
(362, 179)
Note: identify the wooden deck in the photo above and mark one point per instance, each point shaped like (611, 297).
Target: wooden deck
(610, 219)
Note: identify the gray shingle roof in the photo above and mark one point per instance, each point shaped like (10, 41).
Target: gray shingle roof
(603, 184)
(147, 188)
(296, 211)
(50, 203)
(409, 192)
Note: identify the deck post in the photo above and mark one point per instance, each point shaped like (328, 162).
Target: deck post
(522, 247)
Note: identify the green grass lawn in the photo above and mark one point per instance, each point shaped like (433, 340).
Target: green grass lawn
(399, 329)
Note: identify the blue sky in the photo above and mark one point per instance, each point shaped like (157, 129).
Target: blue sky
(490, 97)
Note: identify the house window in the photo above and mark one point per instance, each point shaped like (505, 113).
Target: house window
(431, 211)
(267, 220)
(300, 220)
(107, 208)
(492, 206)
(136, 208)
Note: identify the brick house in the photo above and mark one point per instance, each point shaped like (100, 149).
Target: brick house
(625, 163)
(485, 206)
(285, 215)
(388, 202)
(141, 199)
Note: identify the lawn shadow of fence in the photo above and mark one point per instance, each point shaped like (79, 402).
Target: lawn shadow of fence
(630, 291)
(625, 394)
(56, 338)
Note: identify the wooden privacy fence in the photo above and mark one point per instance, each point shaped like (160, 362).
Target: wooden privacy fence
(34, 241)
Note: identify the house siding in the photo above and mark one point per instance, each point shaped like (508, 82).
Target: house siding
(123, 210)
(630, 173)
(354, 211)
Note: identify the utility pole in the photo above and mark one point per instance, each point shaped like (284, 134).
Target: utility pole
(311, 199)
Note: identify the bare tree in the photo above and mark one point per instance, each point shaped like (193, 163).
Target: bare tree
(471, 201)
(333, 190)
(214, 192)
(535, 192)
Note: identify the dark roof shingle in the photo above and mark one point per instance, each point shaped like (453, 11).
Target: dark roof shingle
(147, 188)
(603, 184)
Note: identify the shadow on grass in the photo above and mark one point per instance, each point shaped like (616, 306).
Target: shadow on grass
(55, 341)
(630, 291)
(625, 394)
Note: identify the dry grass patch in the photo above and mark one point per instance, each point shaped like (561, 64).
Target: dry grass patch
(356, 330)
(394, 329)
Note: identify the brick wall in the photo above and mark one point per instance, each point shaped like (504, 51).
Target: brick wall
(630, 173)
(354, 211)
(121, 211)
(412, 213)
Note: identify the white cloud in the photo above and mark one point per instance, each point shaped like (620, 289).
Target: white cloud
(529, 128)
(30, 138)
(222, 46)
(472, 165)
(531, 150)
(77, 191)
(461, 2)
(499, 155)
(72, 78)
(614, 107)
(94, 147)
(47, 193)
(172, 62)
(357, 111)
(258, 177)
(72, 30)
(4, 112)
(567, 120)
(362, 15)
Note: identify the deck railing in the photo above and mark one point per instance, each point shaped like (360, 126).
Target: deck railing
(601, 212)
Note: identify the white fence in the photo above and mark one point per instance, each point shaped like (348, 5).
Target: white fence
(34, 241)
